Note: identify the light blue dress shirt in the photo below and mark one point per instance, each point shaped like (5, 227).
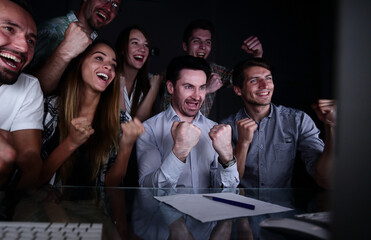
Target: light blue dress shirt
(159, 167)
(272, 152)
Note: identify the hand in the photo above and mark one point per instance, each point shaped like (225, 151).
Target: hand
(185, 136)
(326, 111)
(80, 131)
(246, 128)
(130, 132)
(155, 81)
(221, 136)
(214, 83)
(252, 45)
(76, 40)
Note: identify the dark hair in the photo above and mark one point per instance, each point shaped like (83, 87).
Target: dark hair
(238, 76)
(143, 84)
(186, 62)
(24, 4)
(197, 24)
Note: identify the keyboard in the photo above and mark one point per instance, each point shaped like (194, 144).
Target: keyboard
(50, 230)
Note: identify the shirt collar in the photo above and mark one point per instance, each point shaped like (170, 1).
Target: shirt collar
(269, 115)
(72, 18)
(172, 116)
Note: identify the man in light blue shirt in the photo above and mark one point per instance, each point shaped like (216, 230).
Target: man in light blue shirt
(267, 137)
(181, 147)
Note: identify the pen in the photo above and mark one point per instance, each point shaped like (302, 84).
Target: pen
(231, 202)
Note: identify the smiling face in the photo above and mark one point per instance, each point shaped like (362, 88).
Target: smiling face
(17, 41)
(98, 67)
(99, 13)
(199, 43)
(188, 93)
(138, 50)
(257, 87)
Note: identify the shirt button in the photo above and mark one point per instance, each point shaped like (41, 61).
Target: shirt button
(261, 146)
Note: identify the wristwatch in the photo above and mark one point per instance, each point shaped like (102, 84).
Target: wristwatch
(229, 163)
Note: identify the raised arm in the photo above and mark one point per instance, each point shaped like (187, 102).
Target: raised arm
(326, 112)
(79, 132)
(252, 46)
(246, 128)
(221, 137)
(214, 83)
(160, 168)
(130, 132)
(76, 40)
(145, 108)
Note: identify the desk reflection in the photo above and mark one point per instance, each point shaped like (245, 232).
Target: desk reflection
(134, 213)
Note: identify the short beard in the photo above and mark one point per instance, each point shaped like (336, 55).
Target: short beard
(8, 77)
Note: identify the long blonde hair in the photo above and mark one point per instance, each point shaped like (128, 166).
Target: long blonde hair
(106, 121)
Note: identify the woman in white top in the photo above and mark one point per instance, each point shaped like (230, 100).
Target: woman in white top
(138, 91)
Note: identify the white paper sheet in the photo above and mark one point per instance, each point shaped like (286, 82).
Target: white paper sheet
(206, 210)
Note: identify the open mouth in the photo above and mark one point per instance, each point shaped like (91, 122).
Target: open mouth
(11, 60)
(262, 94)
(193, 105)
(103, 76)
(139, 58)
(200, 54)
(101, 15)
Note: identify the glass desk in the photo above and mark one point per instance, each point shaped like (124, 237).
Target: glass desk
(133, 213)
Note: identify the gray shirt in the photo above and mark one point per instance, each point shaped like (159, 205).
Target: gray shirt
(159, 167)
(280, 135)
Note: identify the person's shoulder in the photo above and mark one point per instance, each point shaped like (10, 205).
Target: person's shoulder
(53, 23)
(28, 80)
(290, 113)
(154, 119)
(28, 85)
(233, 118)
(27, 77)
(287, 110)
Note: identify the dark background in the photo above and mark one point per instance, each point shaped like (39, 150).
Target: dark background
(297, 37)
(319, 49)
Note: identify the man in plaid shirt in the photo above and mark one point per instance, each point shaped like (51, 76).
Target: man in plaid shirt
(197, 42)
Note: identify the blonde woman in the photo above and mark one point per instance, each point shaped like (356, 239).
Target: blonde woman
(81, 142)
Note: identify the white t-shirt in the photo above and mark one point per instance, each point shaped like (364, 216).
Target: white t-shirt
(21, 104)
